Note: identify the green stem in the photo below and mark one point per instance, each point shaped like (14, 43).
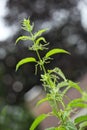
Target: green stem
(54, 103)
(40, 60)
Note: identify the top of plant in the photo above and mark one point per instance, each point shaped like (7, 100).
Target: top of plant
(38, 43)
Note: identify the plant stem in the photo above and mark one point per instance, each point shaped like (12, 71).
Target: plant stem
(40, 60)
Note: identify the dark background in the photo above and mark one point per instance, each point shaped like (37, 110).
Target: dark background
(67, 30)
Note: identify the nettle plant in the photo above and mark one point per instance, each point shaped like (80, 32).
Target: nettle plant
(53, 81)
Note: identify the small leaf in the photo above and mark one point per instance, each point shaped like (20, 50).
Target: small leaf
(55, 51)
(62, 84)
(37, 121)
(39, 33)
(27, 26)
(24, 38)
(42, 100)
(75, 85)
(80, 119)
(60, 73)
(25, 60)
(40, 39)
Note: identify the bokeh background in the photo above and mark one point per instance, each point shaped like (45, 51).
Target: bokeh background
(67, 23)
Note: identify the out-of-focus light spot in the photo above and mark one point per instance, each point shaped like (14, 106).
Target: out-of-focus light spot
(74, 15)
(17, 86)
(40, 6)
(7, 79)
(58, 15)
(82, 7)
(73, 2)
(58, 18)
(2, 53)
(11, 98)
(3, 9)
(73, 39)
(10, 61)
(81, 47)
(10, 48)
(47, 24)
(5, 31)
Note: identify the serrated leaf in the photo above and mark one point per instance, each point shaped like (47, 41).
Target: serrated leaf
(25, 60)
(39, 33)
(27, 26)
(23, 38)
(42, 100)
(37, 121)
(55, 51)
(75, 85)
(60, 73)
(80, 119)
(62, 84)
(40, 39)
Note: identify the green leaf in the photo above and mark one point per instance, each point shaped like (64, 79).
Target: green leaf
(81, 105)
(70, 126)
(77, 104)
(40, 39)
(25, 60)
(80, 119)
(60, 73)
(84, 96)
(74, 102)
(83, 126)
(37, 121)
(23, 38)
(61, 128)
(56, 128)
(75, 85)
(52, 128)
(62, 84)
(42, 100)
(55, 51)
(27, 26)
(39, 33)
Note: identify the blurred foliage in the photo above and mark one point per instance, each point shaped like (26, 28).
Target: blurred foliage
(14, 117)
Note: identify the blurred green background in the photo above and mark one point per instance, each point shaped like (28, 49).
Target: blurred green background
(14, 118)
